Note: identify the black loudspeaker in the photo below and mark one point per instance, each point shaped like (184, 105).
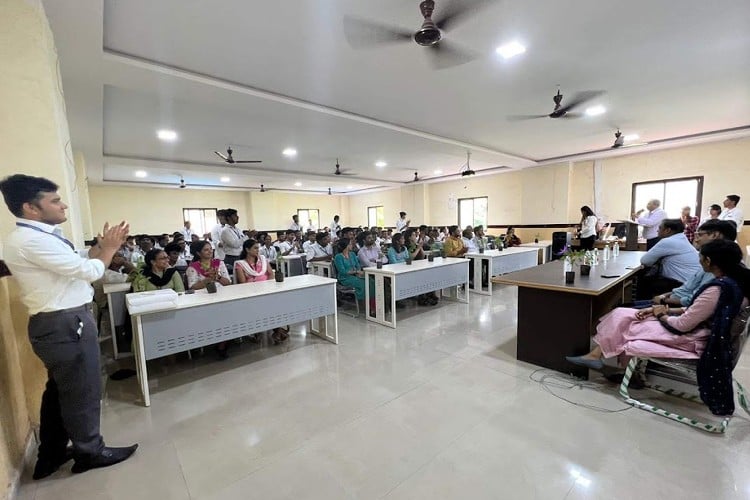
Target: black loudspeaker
(559, 240)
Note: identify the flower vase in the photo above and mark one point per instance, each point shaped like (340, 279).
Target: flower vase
(279, 275)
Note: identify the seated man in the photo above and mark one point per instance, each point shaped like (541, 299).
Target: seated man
(311, 238)
(371, 253)
(676, 258)
(479, 240)
(289, 246)
(454, 245)
(118, 270)
(267, 249)
(174, 252)
(320, 250)
(469, 242)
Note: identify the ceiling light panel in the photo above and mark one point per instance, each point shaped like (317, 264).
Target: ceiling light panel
(167, 135)
(510, 49)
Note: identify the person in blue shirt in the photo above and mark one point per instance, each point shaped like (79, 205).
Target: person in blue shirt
(398, 252)
(676, 258)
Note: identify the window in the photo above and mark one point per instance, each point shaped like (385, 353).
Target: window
(309, 214)
(201, 219)
(674, 194)
(375, 216)
(472, 212)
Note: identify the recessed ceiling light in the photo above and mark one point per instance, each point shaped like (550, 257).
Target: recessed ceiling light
(632, 137)
(290, 152)
(167, 135)
(438, 172)
(596, 110)
(298, 184)
(141, 173)
(225, 179)
(381, 164)
(510, 49)
(349, 187)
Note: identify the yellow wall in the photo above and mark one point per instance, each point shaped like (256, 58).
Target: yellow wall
(390, 199)
(36, 141)
(274, 210)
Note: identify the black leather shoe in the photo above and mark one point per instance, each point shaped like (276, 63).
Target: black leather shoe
(46, 467)
(108, 456)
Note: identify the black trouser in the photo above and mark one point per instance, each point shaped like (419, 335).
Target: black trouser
(651, 242)
(587, 243)
(651, 286)
(67, 343)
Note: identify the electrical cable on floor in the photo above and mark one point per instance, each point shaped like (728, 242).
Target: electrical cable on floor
(550, 379)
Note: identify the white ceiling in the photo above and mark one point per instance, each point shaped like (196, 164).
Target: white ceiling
(265, 75)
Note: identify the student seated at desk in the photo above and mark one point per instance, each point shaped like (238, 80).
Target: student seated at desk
(174, 252)
(454, 245)
(661, 331)
(416, 252)
(370, 253)
(511, 240)
(348, 269)
(157, 275)
(398, 252)
(204, 269)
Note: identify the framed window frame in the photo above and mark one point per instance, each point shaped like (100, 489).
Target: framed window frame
(382, 216)
(203, 210)
(698, 198)
(486, 215)
(304, 220)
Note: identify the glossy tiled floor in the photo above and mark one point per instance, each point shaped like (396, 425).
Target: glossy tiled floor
(439, 408)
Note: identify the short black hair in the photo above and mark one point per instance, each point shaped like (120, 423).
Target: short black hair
(19, 189)
(291, 231)
(478, 228)
(230, 212)
(674, 225)
(402, 214)
(733, 198)
(727, 230)
(715, 207)
(172, 247)
(320, 236)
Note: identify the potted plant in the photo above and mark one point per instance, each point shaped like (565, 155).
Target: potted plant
(435, 248)
(571, 258)
(279, 275)
(536, 238)
(481, 244)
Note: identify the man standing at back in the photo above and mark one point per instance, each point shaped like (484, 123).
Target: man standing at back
(187, 232)
(651, 222)
(221, 216)
(731, 212)
(55, 287)
(402, 223)
(294, 226)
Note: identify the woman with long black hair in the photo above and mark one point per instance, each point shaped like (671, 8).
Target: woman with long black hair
(588, 228)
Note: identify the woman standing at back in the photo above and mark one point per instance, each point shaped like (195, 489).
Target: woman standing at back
(588, 228)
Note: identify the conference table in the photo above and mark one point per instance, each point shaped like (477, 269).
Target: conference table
(556, 319)
(497, 262)
(403, 280)
(202, 319)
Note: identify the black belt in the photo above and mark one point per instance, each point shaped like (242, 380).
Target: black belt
(82, 308)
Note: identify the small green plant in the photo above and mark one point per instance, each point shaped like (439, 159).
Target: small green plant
(574, 256)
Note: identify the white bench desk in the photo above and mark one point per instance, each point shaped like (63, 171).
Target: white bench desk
(500, 262)
(321, 268)
(203, 319)
(422, 276)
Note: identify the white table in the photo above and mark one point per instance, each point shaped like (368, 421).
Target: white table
(422, 276)
(294, 264)
(500, 262)
(321, 268)
(118, 312)
(545, 246)
(203, 319)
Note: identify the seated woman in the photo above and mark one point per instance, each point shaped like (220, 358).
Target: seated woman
(157, 275)
(348, 269)
(511, 240)
(253, 267)
(204, 269)
(661, 331)
(398, 252)
(416, 252)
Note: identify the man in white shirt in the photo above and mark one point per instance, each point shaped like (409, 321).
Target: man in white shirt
(731, 212)
(187, 232)
(335, 228)
(311, 237)
(402, 223)
(216, 234)
(54, 283)
(651, 222)
(289, 246)
(294, 226)
(267, 249)
(469, 242)
(232, 238)
(321, 250)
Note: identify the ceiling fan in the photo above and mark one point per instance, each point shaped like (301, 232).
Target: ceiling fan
(230, 159)
(362, 34)
(416, 177)
(560, 110)
(338, 170)
(182, 183)
(262, 189)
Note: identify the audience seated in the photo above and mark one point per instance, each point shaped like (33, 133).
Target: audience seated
(511, 240)
(348, 270)
(397, 252)
(289, 246)
(411, 240)
(320, 250)
(118, 270)
(454, 245)
(662, 331)
(268, 250)
(468, 240)
(311, 235)
(156, 274)
(174, 252)
(673, 260)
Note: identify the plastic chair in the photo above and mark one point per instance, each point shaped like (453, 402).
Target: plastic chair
(342, 292)
(685, 372)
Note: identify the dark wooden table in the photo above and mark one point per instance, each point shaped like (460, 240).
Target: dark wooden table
(556, 319)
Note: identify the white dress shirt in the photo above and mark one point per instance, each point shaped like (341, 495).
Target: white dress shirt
(232, 239)
(651, 222)
(50, 275)
(307, 244)
(470, 244)
(401, 224)
(314, 251)
(285, 246)
(268, 252)
(588, 228)
(295, 226)
(216, 241)
(733, 214)
(188, 234)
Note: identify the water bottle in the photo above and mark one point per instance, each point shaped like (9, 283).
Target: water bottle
(606, 252)
(616, 249)
(567, 265)
(596, 257)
